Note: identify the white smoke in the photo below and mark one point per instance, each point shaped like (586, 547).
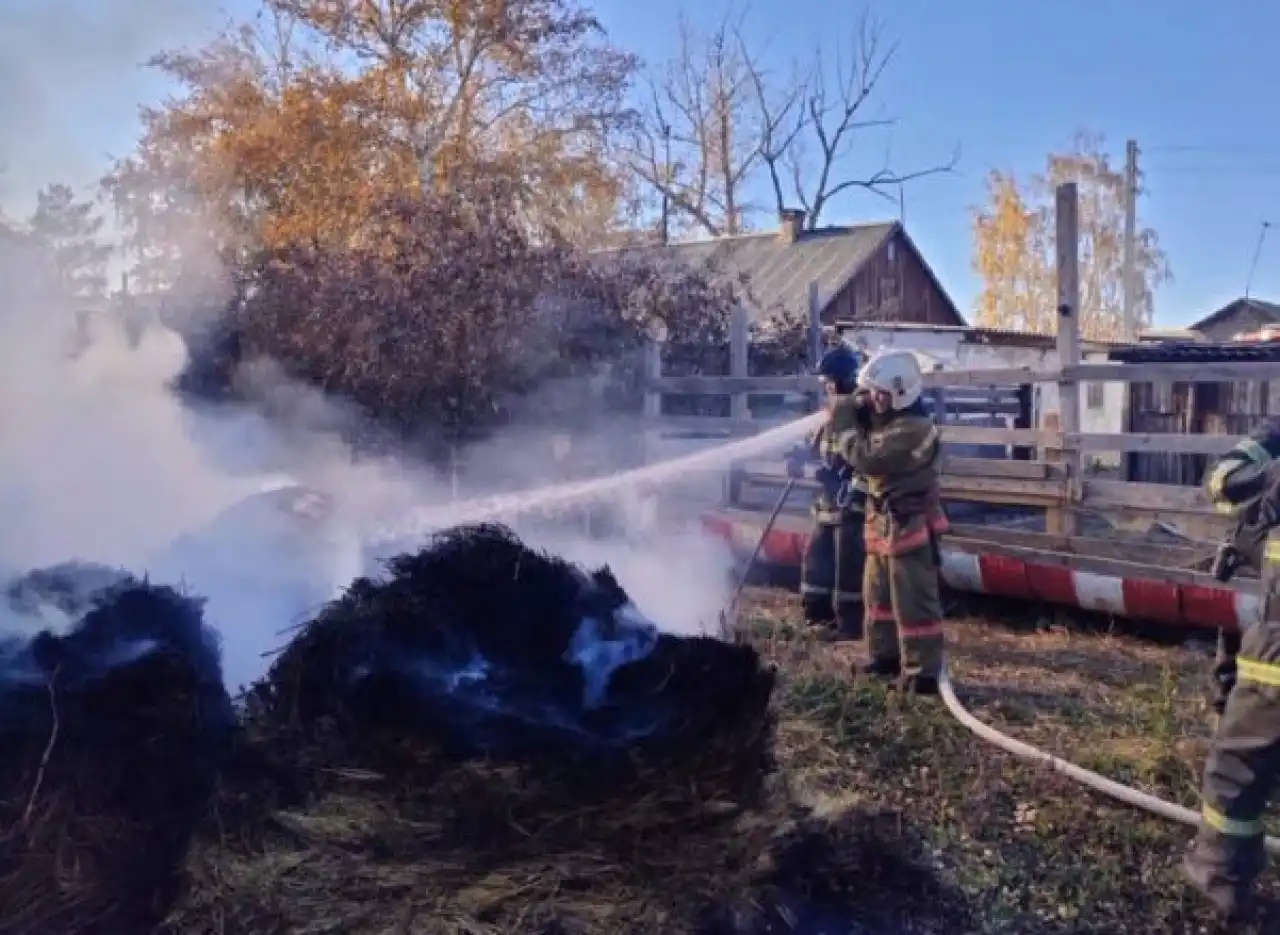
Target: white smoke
(101, 462)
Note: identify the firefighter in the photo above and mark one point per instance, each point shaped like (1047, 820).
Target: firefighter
(831, 570)
(896, 447)
(1243, 767)
(1235, 486)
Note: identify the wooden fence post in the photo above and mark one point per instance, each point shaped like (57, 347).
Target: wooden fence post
(1068, 243)
(739, 403)
(815, 325)
(652, 408)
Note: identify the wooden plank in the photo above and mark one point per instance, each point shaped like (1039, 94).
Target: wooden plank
(1122, 494)
(1125, 547)
(976, 489)
(815, 325)
(1117, 372)
(984, 435)
(960, 467)
(994, 467)
(722, 386)
(1002, 376)
(1154, 441)
(739, 404)
(974, 407)
(1067, 238)
(1099, 566)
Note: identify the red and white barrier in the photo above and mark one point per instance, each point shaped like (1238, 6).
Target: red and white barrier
(1187, 604)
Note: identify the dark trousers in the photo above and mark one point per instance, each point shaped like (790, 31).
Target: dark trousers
(831, 574)
(1241, 773)
(1224, 668)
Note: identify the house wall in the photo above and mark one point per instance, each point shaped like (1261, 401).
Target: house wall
(893, 285)
(1232, 408)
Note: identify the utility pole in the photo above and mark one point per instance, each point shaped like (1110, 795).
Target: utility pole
(1130, 239)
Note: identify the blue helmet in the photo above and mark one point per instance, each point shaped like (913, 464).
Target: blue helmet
(840, 366)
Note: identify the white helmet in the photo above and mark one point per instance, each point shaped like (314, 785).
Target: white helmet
(896, 373)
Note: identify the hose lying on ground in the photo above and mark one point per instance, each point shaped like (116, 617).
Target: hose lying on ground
(1109, 787)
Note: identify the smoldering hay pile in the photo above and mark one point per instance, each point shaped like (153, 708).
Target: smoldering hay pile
(111, 737)
(486, 739)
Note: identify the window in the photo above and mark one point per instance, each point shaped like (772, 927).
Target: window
(1093, 395)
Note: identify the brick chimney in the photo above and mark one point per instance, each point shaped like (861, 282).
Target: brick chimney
(790, 224)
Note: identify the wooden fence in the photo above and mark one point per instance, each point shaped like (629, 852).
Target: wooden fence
(1055, 480)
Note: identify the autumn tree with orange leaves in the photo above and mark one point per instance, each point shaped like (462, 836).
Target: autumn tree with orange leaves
(406, 230)
(1015, 252)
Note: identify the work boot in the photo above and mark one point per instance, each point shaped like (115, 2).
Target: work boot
(887, 670)
(1228, 898)
(1223, 873)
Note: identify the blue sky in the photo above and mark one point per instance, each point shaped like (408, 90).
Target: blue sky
(1192, 81)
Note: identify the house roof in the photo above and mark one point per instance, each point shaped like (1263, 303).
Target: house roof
(1269, 310)
(1180, 352)
(777, 274)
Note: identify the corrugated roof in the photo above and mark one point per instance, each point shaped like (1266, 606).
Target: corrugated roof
(778, 273)
(1268, 309)
(1199, 352)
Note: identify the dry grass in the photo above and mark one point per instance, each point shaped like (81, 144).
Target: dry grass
(954, 836)
(1034, 852)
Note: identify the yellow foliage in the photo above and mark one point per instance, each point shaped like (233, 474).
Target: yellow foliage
(1014, 248)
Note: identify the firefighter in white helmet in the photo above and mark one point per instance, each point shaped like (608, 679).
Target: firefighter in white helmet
(896, 447)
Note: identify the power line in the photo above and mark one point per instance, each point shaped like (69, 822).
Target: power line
(1215, 169)
(1257, 252)
(1214, 148)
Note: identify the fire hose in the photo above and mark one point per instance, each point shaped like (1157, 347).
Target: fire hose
(1085, 777)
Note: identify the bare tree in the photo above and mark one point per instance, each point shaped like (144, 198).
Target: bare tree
(696, 143)
(810, 130)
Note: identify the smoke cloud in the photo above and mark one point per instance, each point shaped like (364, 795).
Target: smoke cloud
(103, 463)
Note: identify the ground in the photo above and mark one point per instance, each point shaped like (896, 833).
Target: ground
(950, 836)
(1034, 852)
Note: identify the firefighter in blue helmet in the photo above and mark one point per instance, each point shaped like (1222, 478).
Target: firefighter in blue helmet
(1242, 771)
(834, 556)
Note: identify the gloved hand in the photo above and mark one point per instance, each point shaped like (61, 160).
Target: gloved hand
(795, 460)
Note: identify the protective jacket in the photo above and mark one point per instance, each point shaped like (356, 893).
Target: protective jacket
(1239, 479)
(836, 501)
(900, 461)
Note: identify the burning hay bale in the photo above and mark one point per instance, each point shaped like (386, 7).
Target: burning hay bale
(478, 646)
(110, 735)
(498, 742)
